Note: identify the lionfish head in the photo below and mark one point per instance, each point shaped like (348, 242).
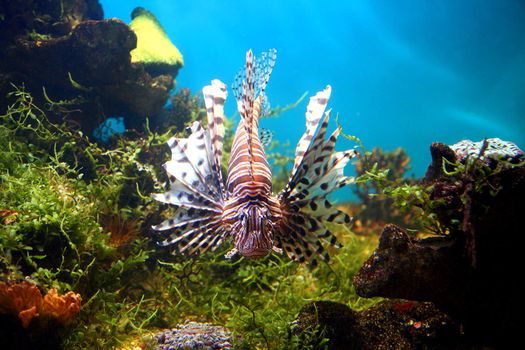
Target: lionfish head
(254, 237)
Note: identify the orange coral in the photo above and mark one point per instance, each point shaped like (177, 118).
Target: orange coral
(7, 216)
(25, 301)
(62, 308)
(21, 299)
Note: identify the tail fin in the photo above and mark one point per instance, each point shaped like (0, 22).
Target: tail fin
(317, 171)
(196, 186)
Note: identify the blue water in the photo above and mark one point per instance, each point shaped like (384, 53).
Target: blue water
(403, 73)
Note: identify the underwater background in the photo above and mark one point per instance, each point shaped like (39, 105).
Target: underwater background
(116, 233)
(403, 73)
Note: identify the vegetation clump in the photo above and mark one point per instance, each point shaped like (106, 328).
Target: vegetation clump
(437, 203)
(76, 217)
(375, 171)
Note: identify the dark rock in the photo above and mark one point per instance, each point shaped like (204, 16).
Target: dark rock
(13, 336)
(400, 324)
(450, 209)
(45, 18)
(326, 319)
(83, 54)
(395, 324)
(440, 151)
(471, 273)
(400, 268)
(86, 71)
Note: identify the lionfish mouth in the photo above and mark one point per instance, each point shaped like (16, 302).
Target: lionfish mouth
(254, 246)
(256, 254)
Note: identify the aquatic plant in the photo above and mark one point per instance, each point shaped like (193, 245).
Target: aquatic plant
(374, 171)
(435, 204)
(387, 195)
(184, 109)
(411, 205)
(50, 231)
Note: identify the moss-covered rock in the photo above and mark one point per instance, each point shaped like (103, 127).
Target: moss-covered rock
(154, 49)
(394, 324)
(326, 323)
(50, 18)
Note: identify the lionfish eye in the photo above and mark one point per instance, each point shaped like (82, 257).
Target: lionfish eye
(243, 218)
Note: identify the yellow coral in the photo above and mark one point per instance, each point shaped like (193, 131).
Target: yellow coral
(153, 45)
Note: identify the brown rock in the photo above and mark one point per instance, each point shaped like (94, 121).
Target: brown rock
(395, 324)
(471, 273)
(326, 319)
(439, 151)
(89, 66)
(423, 270)
(50, 17)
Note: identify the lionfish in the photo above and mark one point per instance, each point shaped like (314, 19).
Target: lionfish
(244, 209)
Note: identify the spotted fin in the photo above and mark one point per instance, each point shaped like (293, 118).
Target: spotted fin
(317, 171)
(314, 113)
(196, 186)
(266, 137)
(214, 98)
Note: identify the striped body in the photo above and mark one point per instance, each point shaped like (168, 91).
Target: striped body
(245, 210)
(251, 208)
(248, 169)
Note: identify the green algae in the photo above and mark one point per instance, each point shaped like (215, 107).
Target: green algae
(56, 239)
